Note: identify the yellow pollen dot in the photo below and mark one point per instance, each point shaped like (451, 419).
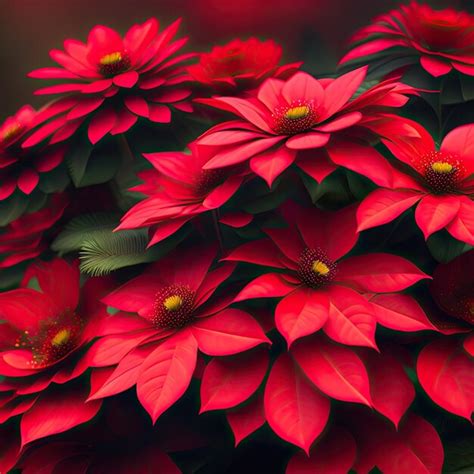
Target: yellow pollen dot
(298, 112)
(61, 337)
(11, 131)
(441, 167)
(112, 58)
(320, 268)
(173, 303)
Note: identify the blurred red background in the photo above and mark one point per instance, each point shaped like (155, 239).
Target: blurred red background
(311, 30)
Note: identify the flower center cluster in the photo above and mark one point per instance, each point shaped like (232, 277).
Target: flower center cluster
(315, 268)
(54, 339)
(114, 63)
(11, 132)
(173, 307)
(443, 173)
(298, 117)
(208, 180)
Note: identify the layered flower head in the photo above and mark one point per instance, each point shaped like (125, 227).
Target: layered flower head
(116, 80)
(440, 181)
(23, 239)
(315, 123)
(19, 168)
(176, 311)
(241, 65)
(179, 189)
(439, 40)
(320, 288)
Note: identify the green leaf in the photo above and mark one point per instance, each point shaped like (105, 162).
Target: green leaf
(82, 228)
(54, 181)
(76, 161)
(459, 455)
(12, 208)
(445, 248)
(467, 87)
(108, 251)
(100, 168)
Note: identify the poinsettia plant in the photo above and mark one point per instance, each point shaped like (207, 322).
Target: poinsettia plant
(217, 261)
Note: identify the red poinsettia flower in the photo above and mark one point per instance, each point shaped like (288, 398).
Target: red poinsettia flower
(441, 183)
(176, 314)
(115, 80)
(22, 239)
(241, 65)
(315, 123)
(40, 342)
(178, 190)
(22, 168)
(439, 40)
(320, 288)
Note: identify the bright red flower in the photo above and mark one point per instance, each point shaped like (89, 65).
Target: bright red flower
(172, 300)
(316, 124)
(23, 238)
(22, 168)
(440, 182)
(115, 80)
(178, 190)
(40, 342)
(241, 65)
(321, 288)
(439, 40)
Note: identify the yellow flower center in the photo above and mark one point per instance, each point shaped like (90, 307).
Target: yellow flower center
(441, 167)
(173, 303)
(295, 113)
(320, 268)
(111, 58)
(61, 337)
(11, 131)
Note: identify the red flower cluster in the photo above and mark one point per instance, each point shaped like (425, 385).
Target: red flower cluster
(294, 314)
(439, 40)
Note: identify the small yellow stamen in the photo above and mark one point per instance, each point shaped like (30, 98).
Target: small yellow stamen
(11, 131)
(61, 337)
(320, 268)
(298, 112)
(441, 167)
(112, 58)
(173, 303)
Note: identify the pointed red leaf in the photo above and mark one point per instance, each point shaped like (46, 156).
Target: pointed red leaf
(302, 312)
(229, 332)
(229, 381)
(246, 419)
(446, 373)
(335, 370)
(436, 212)
(294, 409)
(166, 373)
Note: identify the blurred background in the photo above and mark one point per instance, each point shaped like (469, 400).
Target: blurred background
(315, 31)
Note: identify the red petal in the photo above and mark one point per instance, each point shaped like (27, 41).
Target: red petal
(259, 252)
(460, 142)
(138, 105)
(336, 370)
(379, 272)
(271, 164)
(469, 344)
(302, 312)
(28, 180)
(335, 454)
(101, 124)
(236, 219)
(246, 419)
(229, 381)
(124, 121)
(384, 205)
(390, 388)
(462, 227)
(159, 113)
(222, 193)
(127, 79)
(307, 140)
(229, 332)
(269, 285)
(433, 213)
(293, 408)
(345, 121)
(435, 66)
(166, 373)
(446, 373)
(316, 164)
(400, 312)
(84, 107)
(57, 411)
(303, 86)
(351, 318)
